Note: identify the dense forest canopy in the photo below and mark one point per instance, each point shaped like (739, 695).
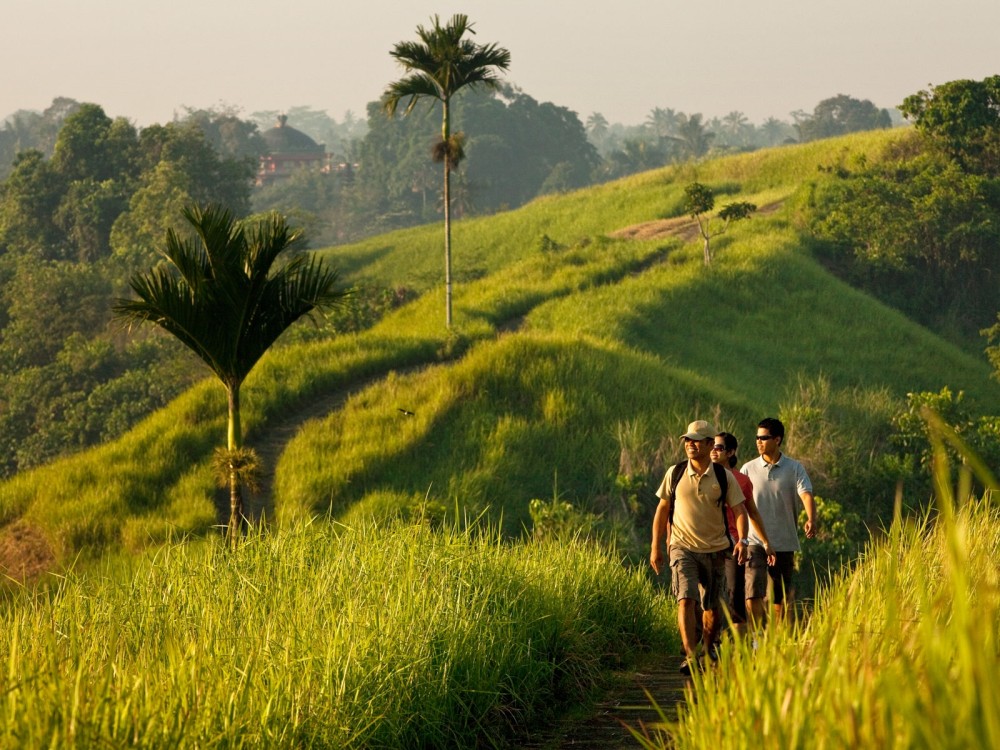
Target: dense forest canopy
(919, 228)
(86, 200)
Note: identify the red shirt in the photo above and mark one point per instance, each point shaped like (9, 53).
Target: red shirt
(747, 486)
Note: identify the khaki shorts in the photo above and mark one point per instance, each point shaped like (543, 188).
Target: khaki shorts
(698, 575)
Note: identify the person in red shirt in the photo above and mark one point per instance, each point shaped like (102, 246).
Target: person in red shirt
(724, 451)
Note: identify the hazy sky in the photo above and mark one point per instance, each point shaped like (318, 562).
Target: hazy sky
(147, 59)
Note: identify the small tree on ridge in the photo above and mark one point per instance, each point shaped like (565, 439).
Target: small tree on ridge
(700, 201)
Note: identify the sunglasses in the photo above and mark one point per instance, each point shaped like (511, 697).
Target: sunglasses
(763, 438)
(719, 448)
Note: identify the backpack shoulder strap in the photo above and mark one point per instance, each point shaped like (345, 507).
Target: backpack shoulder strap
(675, 478)
(677, 472)
(722, 476)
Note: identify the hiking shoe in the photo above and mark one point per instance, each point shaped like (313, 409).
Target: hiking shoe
(689, 665)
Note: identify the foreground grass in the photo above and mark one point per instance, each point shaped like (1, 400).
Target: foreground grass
(902, 653)
(319, 637)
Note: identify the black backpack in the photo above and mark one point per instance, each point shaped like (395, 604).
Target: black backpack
(721, 475)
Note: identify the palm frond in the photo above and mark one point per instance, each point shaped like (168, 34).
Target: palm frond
(414, 87)
(230, 296)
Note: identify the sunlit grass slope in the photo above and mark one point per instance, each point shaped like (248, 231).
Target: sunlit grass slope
(481, 246)
(556, 344)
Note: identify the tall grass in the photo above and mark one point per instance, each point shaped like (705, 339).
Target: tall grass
(319, 637)
(901, 653)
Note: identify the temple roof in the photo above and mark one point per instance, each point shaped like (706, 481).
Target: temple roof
(284, 139)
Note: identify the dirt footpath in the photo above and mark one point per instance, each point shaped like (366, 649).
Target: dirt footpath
(624, 704)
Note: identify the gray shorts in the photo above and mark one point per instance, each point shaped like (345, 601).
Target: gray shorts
(758, 574)
(698, 575)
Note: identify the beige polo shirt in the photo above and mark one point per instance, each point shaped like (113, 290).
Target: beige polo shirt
(699, 520)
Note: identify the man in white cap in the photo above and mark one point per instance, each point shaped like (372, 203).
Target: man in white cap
(691, 521)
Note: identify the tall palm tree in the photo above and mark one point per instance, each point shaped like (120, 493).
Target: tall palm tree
(442, 63)
(693, 136)
(663, 122)
(736, 125)
(227, 295)
(597, 128)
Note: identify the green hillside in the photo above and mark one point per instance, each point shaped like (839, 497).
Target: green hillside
(586, 328)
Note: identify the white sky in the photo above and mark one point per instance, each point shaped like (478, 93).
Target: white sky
(147, 59)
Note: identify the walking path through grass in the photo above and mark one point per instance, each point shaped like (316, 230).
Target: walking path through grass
(271, 443)
(624, 703)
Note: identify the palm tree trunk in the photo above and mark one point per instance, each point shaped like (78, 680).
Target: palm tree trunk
(447, 240)
(234, 440)
(446, 137)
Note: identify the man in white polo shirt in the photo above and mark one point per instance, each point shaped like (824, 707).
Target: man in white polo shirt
(691, 521)
(780, 484)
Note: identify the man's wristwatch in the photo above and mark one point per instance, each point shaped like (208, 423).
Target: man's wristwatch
(745, 542)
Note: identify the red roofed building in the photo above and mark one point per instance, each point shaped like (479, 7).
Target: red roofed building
(289, 150)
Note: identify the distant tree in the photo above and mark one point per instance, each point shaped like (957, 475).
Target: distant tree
(597, 128)
(86, 214)
(46, 301)
(693, 138)
(663, 122)
(442, 63)
(736, 129)
(97, 159)
(155, 207)
(636, 155)
(962, 119)
(26, 129)
(227, 296)
(64, 208)
(842, 114)
(230, 136)
(700, 201)
(210, 178)
(774, 131)
(29, 199)
(93, 146)
(392, 187)
(519, 143)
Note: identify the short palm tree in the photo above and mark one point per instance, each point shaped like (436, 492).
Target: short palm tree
(227, 295)
(442, 63)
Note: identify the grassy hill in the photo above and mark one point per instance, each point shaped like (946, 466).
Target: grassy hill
(587, 334)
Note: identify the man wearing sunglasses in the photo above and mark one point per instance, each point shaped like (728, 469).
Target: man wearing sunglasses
(780, 483)
(690, 520)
